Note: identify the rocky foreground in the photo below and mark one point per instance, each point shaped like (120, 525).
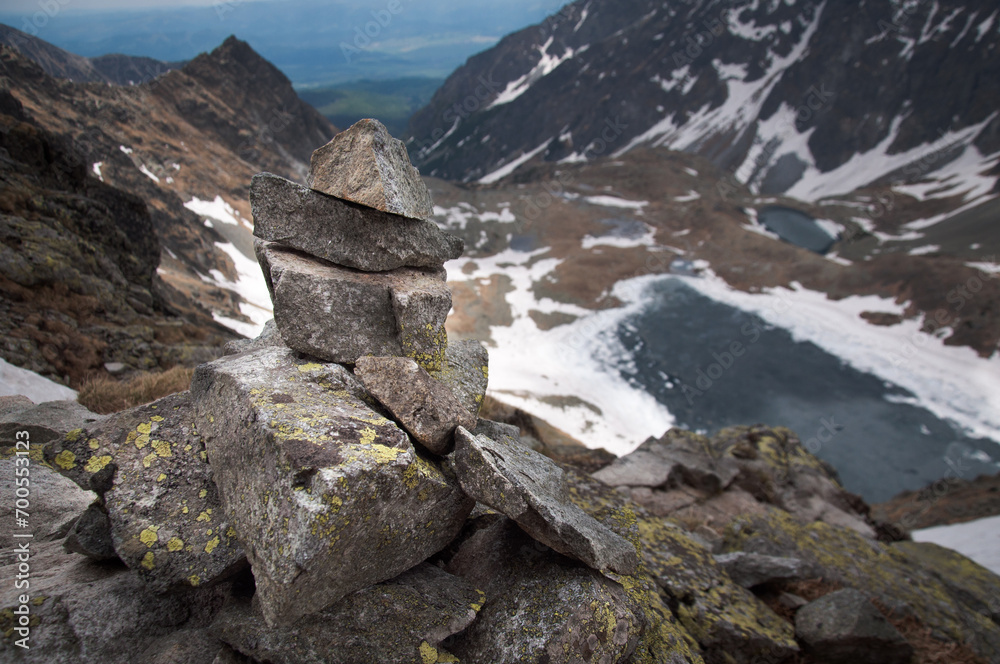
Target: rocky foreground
(329, 492)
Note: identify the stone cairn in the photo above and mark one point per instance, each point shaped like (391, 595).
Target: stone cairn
(341, 449)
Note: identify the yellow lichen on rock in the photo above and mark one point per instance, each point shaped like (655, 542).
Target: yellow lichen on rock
(161, 448)
(97, 463)
(149, 536)
(428, 653)
(66, 460)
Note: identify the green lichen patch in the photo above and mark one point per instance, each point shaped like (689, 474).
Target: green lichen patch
(147, 464)
(329, 495)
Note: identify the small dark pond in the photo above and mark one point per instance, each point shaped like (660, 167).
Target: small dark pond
(797, 228)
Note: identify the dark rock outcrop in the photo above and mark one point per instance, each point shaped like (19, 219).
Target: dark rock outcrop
(845, 628)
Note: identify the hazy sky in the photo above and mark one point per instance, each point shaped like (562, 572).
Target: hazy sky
(31, 6)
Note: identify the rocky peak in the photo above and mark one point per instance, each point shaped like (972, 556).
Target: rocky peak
(257, 92)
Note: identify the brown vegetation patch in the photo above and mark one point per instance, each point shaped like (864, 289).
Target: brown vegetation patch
(106, 395)
(946, 501)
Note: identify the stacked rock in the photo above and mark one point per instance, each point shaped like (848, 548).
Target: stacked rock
(342, 448)
(353, 266)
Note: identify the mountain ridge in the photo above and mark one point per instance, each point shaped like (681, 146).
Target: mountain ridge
(774, 93)
(114, 68)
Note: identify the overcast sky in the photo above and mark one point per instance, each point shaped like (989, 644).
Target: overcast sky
(31, 6)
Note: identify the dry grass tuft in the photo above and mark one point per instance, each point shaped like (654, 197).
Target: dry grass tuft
(106, 395)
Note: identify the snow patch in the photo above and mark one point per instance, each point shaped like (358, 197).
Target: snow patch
(546, 65)
(986, 268)
(15, 380)
(249, 285)
(985, 26)
(532, 368)
(509, 168)
(977, 540)
(864, 168)
(97, 170)
(458, 217)
(647, 239)
(749, 31)
(737, 112)
(692, 195)
(145, 171)
(217, 209)
(614, 201)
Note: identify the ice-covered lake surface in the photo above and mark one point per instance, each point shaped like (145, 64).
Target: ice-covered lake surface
(714, 365)
(890, 407)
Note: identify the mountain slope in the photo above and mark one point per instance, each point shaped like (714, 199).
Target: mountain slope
(186, 145)
(807, 98)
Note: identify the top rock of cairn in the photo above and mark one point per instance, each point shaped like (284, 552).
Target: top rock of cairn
(366, 165)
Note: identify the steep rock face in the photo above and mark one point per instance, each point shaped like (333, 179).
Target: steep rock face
(767, 90)
(78, 261)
